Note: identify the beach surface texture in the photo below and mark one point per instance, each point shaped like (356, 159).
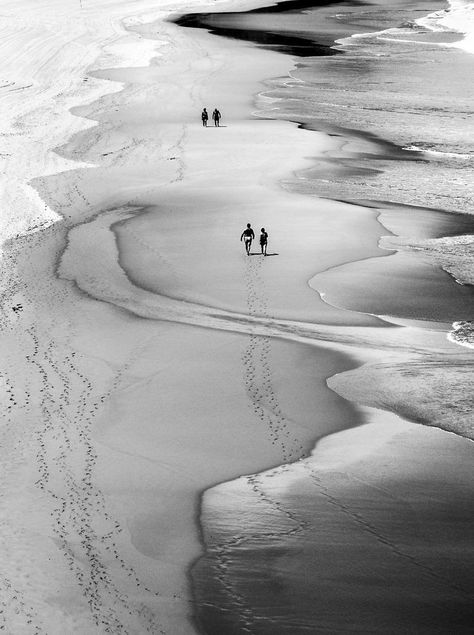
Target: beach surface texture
(197, 440)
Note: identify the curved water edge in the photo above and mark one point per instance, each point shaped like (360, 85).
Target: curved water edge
(104, 277)
(98, 373)
(226, 317)
(239, 608)
(419, 289)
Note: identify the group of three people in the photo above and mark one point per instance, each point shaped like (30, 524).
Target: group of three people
(248, 235)
(216, 116)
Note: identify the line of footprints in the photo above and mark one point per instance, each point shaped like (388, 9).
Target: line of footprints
(86, 532)
(257, 370)
(56, 393)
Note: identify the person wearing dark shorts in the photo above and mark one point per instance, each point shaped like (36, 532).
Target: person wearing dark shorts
(204, 117)
(247, 236)
(216, 116)
(263, 241)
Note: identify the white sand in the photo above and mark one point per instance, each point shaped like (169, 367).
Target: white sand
(115, 424)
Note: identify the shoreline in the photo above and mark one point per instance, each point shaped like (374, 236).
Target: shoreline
(104, 456)
(336, 385)
(112, 371)
(335, 504)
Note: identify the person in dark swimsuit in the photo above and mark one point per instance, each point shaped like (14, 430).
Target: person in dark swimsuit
(204, 117)
(247, 236)
(263, 241)
(216, 116)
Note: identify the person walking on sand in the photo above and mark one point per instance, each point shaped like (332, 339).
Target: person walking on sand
(247, 236)
(204, 117)
(216, 115)
(263, 241)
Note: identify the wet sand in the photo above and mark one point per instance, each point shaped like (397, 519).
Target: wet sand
(286, 549)
(370, 534)
(117, 423)
(147, 358)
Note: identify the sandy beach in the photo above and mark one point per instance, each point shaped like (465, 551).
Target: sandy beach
(162, 388)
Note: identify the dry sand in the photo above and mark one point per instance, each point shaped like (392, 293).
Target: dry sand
(145, 357)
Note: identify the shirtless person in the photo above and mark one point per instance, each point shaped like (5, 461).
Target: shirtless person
(247, 236)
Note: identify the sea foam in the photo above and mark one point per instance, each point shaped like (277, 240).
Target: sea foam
(457, 18)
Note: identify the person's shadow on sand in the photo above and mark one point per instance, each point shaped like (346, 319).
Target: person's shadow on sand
(259, 253)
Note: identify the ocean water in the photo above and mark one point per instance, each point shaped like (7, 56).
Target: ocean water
(401, 99)
(403, 80)
(393, 82)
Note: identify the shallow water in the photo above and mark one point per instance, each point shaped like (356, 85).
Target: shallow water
(402, 88)
(389, 86)
(301, 549)
(405, 284)
(276, 553)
